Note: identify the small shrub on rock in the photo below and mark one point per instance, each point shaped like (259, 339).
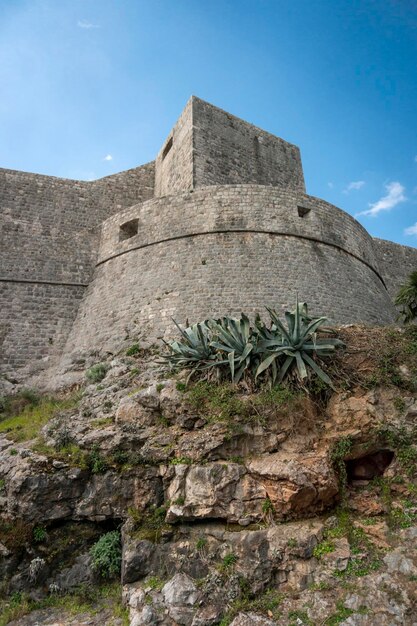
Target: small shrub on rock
(133, 350)
(97, 372)
(106, 555)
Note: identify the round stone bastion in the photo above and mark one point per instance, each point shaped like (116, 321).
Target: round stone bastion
(225, 249)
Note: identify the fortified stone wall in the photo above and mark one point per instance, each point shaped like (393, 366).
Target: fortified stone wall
(221, 250)
(396, 263)
(219, 223)
(50, 230)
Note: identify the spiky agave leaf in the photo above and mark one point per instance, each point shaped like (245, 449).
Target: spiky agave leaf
(234, 338)
(295, 342)
(193, 351)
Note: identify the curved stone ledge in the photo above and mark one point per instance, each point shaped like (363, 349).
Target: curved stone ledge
(237, 208)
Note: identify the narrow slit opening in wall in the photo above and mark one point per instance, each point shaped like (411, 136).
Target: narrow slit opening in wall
(128, 229)
(303, 211)
(167, 148)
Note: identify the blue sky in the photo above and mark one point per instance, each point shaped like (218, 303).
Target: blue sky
(92, 87)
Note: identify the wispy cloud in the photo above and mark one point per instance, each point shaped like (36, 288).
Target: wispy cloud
(85, 24)
(395, 195)
(411, 230)
(355, 185)
(108, 157)
(330, 185)
(415, 158)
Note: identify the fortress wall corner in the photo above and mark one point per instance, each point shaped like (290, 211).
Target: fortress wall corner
(174, 163)
(396, 263)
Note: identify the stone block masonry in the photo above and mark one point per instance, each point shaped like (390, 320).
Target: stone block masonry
(50, 232)
(219, 223)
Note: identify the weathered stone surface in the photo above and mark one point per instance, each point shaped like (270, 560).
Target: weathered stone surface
(36, 493)
(131, 410)
(215, 490)
(396, 561)
(137, 559)
(180, 591)
(295, 485)
(251, 619)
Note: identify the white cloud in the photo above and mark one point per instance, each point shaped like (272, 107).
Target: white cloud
(330, 185)
(85, 24)
(355, 185)
(411, 230)
(394, 196)
(108, 157)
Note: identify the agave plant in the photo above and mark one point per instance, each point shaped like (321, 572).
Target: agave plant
(235, 339)
(407, 299)
(194, 351)
(294, 345)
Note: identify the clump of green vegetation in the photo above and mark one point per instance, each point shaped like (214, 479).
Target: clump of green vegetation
(155, 583)
(402, 517)
(102, 422)
(399, 405)
(13, 405)
(25, 425)
(267, 603)
(300, 617)
(341, 614)
(268, 511)
(219, 402)
(39, 534)
(106, 554)
(150, 524)
(181, 460)
(325, 547)
(71, 454)
(201, 543)
(403, 442)
(180, 386)
(228, 562)
(292, 542)
(97, 372)
(360, 567)
(133, 350)
(96, 461)
(222, 402)
(83, 599)
(338, 454)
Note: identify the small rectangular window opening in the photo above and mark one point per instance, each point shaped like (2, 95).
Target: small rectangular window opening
(167, 148)
(303, 211)
(128, 229)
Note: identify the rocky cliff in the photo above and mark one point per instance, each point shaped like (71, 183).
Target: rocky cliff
(225, 505)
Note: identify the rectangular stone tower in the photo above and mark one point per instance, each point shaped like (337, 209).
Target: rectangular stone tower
(208, 146)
